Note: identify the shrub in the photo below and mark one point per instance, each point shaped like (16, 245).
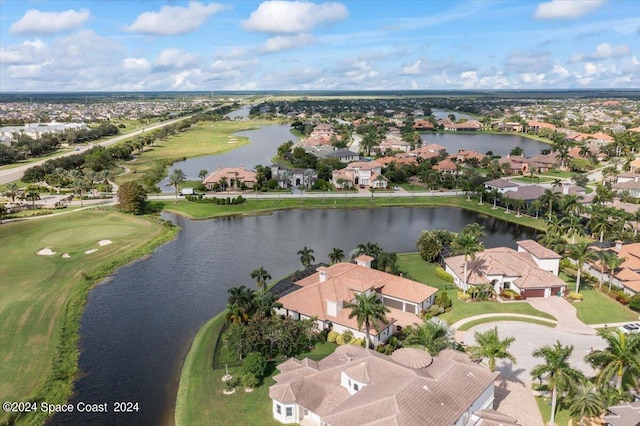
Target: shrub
(249, 380)
(443, 300)
(443, 275)
(331, 337)
(510, 294)
(340, 340)
(463, 296)
(357, 342)
(566, 264)
(322, 336)
(239, 199)
(436, 310)
(347, 336)
(254, 364)
(634, 302)
(622, 297)
(575, 296)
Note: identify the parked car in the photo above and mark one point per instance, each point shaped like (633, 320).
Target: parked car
(633, 327)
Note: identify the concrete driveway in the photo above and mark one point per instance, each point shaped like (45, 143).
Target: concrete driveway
(563, 311)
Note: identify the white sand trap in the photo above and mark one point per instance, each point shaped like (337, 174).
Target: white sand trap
(46, 252)
(90, 251)
(104, 242)
(66, 255)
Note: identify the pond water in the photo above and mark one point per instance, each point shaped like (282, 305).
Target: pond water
(136, 329)
(483, 142)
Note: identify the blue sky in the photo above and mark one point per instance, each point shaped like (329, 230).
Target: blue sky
(78, 45)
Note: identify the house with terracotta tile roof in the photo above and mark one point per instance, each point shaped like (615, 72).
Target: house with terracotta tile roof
(359, 173)
(232, 177)
(422, 125)
(358, 386)
(627, 276)
(446, 166)
(323, 295)
(464, 155)
(535, 126)
(531, 271)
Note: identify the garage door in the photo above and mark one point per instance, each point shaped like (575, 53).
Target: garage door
(537, 292)
(555, 290)
(393, 303)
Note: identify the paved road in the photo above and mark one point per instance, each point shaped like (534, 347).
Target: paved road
(16, 173)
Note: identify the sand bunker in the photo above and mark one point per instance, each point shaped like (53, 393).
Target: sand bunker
(66, 256)
(104, 242)
(90, 251)
(46, 252)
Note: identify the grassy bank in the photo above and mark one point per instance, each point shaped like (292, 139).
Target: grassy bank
(205, 138)
(200, 397)
(43, 296)
(471, 324)
(252, 206)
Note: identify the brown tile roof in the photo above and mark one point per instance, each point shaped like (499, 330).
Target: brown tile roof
(395, 394)
(508, 263)
(538, 250)
(446, 165)
(230, 173)
(501, 183)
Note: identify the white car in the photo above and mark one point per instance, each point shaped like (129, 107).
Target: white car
(633, 327)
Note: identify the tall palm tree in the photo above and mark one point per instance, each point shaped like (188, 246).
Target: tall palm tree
(336, 255)
(78, 185)
(368, 311)
(554, 225)
(266, 303)
(32, 195)
(467, 245)
(11, 191)
(494, 196)
(550, 199)
(104, 176)
(599, 223)
(240, 296)
(306, 256)
(369, 249)
(619, 360)
(560, 375)
(475, 229)
(581, 254)
(555, 242)
(536, 206)
(261, 276)
(236, 314)
(613, 263)
(570, 204)
(603, 257)
(491, 347)
(433, 335)
(518, 204)
(176, 178)
(203, 174)
(586, 401)
(571, 226)
(386, 261)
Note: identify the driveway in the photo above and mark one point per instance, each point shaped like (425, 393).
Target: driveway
(564, 312)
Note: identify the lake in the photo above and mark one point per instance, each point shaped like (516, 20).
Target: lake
(500, 144)
(137, 328)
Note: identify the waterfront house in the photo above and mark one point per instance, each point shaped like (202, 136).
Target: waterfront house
(323, 295)
(501, 185)
(531, 271)
(230, 178)
(628, 182)
(359, 173)
(627, 276)
(358, 386)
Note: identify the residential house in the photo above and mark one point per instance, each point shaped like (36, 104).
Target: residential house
(323, 295)
(627, 276)
(628, 182)
(531, 271)
(467, 126)
(517, 164)
(528, 193)
(429, 151)
(635, 165)
(422, 125)
(393, 143)
(446, 166)
(464, 155)
(358, 386)
(360, 173)
(344, 155)
(231, 178)
(502, 185)
(600, 139)
(623, 414)
(542, 163)
(296, 177)
(535, 126)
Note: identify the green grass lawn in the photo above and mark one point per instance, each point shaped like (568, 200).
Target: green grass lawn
(562, 414)
(200, 398)
(43, 296)
(528, 179)
(558, 174)
(472, 324)
(251, 206)
(418, 270)
(598, 308)
(205, 138)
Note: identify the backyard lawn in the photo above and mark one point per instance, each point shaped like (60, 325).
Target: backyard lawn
(43, 296)
(200, 396)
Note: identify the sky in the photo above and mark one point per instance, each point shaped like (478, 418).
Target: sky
(147, 45)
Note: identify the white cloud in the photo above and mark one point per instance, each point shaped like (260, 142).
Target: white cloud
(278, 43)
(528, 61)
(635, 61)
(171, 20)
(38, 22)
(557, 9)
(136, 64)
(602, 52)
(413, 69)
(278, 16)
(28, 52)
(561, 71)
(532, 78)
(469, 79)
(174, 59)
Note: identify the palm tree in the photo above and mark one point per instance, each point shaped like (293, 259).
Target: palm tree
(572, 226)
(11, 191)
(620, 359)
(603, 257)
(475, 229)
(599, 223)
(586, 401)
(336, 255)
(240, 296)
(386, 261)
(560, 375)
(203, 174)
(33, 195)
(266, 303)
(555, 242)
(613, 263)
(368, 310)
(468, 245)
(176, 178)
(494, 196)
(3, 211)
(554, 225)
(306, 256)
(581, 254)
(78, 185)
(550, 199)
(536, 206)
(491, 347)
(518, 204)
(433, 335)
(235, 314)
(570, 204)
(369, 249)
(261, 276)
(104, 176)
